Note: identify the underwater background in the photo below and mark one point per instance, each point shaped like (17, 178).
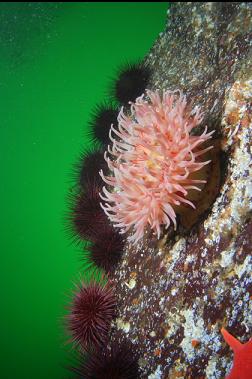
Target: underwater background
(57, 61)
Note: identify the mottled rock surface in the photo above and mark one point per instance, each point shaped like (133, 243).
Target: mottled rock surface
(175, 294)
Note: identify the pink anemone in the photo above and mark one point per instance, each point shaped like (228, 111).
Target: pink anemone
(151, 160)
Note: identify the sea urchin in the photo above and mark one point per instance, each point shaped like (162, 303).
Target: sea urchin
(131, 81)
(103, 116)
(86, 170)
(117, 362)
(86, 214)
(152, 164)
(107, 248)
(91, 313)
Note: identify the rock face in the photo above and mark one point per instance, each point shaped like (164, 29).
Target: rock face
(175, 294)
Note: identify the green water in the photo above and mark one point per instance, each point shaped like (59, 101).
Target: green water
(56, 62)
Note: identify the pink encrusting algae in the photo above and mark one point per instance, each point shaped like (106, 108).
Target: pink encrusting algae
(152, 159)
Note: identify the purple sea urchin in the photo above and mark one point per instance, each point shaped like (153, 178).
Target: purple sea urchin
(116, 363)
(86, 170)
(103, 116)
(131, 82)
(91, 313)
(107, 248)
(85, 214)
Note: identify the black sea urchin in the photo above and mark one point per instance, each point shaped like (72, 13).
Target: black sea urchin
(103, 116)
(118, 362)
(91, 313)
(107, 248)
(86, 214)
(131, 82)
